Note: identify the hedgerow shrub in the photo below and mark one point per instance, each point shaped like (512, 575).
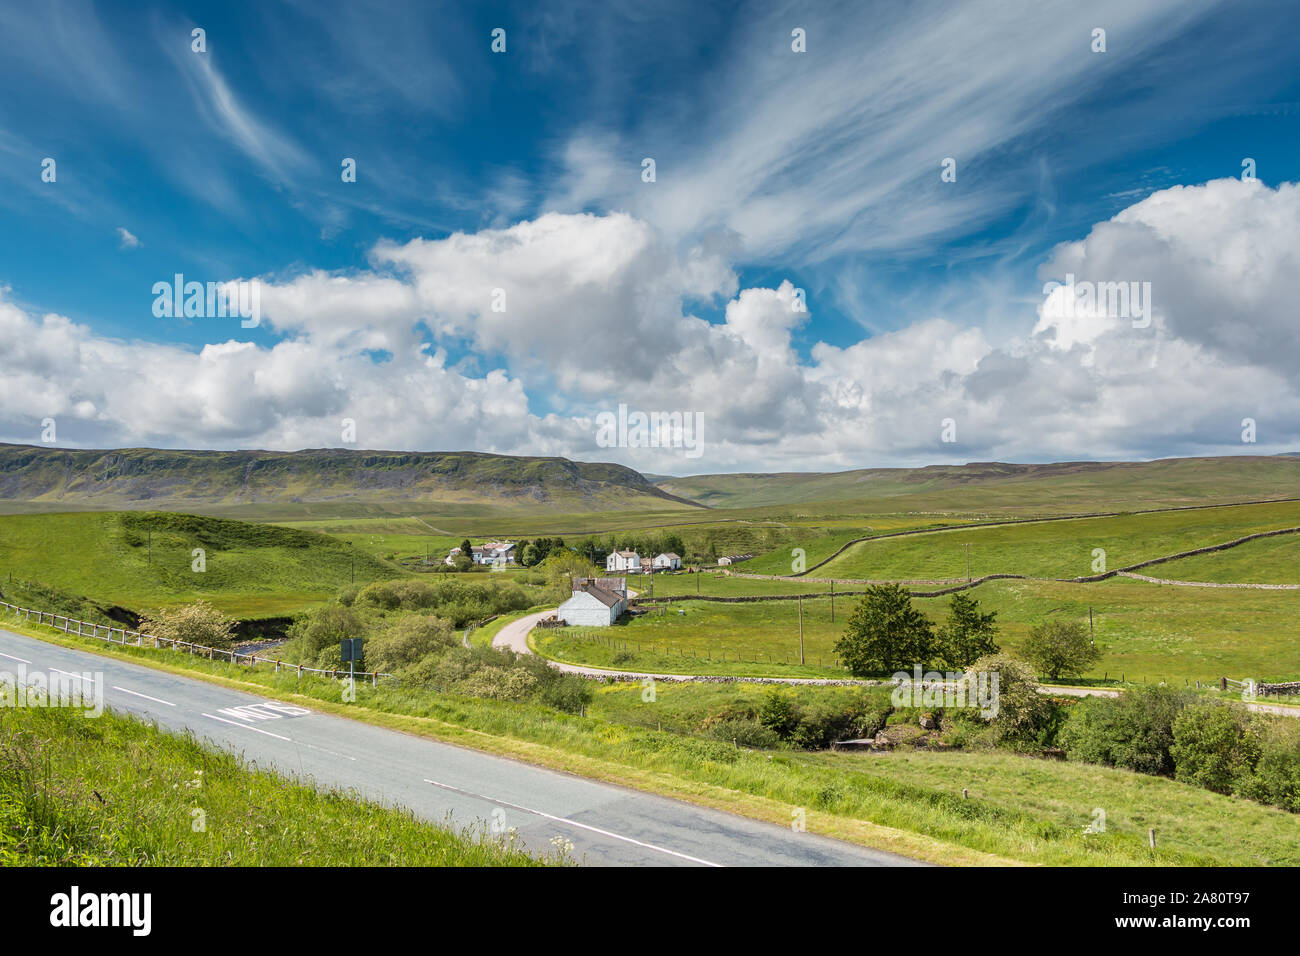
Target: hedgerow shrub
(197, 623)
(1024, 716)
(314, 637)
(1134, 731)
(456, 599)
(408, 640)
(1214, 745)
(1275, 777)
(817, 725)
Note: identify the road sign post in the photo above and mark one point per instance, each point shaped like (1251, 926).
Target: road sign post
(351, 650)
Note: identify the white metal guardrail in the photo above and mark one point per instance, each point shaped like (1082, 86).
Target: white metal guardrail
(211, 653)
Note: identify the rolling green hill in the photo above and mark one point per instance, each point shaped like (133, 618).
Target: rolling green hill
(993, 486)
(34, 478)
(143, 560)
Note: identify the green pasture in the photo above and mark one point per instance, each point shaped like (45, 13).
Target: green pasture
(1056, 549)
(1263, 561)
(1148, 632)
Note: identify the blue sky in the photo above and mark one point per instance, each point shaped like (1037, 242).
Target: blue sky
(820, 169)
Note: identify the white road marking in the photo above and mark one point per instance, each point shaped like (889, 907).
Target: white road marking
(18, 659)
(259, 730)
(72, 675)
(256, 730)
(145, 696)
(572, 823)
(330, 752)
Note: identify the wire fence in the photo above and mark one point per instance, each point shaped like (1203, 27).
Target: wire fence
(50, 619)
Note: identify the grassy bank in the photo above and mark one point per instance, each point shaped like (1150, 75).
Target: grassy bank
(114, 792)
(144, 560)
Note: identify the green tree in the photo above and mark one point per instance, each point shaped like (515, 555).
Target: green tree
(1059, 648)
(779, 714)
(562, 567)
(1021, 715)
(885, 633)
(466, 550)
(968, 634)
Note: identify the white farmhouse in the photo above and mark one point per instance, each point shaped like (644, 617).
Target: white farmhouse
(494, 552)
(668, 561)
(497, 552)
(591, 606)
(623, 561)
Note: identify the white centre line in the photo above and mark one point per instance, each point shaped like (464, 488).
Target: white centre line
(330, 752)
(256, 730)
(18, 659)
(572, 823)
(145, 696)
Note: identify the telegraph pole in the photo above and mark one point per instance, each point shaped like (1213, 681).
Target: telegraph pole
(832, 600)
(968, 563)
(800, 628)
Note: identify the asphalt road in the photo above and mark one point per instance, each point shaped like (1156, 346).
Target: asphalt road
(607, 825)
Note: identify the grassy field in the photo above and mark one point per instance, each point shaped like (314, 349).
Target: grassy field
(1056, 549)
(115, 792)
(754, 639)
(1020, 809)
(144, 560)
(1148, 631)
(1264, 561)
(719, 584)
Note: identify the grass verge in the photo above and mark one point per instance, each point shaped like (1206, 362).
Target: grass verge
(113, 791)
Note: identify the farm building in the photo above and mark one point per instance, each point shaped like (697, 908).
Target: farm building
(623, 561)
(668, 561)
(494, 552)
(728, 559)
(591, 606)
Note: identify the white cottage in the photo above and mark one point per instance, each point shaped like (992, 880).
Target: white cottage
(623, 561)
(494, 552)
(591, 606)
(668, 561)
